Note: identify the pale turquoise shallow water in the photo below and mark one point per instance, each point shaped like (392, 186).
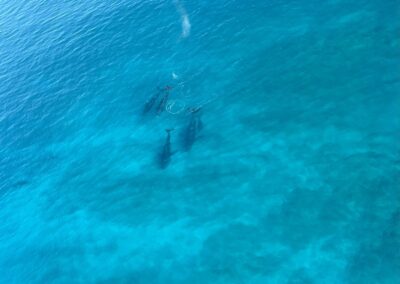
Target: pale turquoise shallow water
(294, 178)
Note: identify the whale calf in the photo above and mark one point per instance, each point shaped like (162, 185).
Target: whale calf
(153, 99)
(150, 103)
(163, 103)
(191, 131)
(165, 155)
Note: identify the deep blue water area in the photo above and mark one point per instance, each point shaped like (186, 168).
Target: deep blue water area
(292, 174)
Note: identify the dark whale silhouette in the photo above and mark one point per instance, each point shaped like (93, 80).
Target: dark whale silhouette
(191, 131)
(165, 155)
(163, 103)
(150, 103)
(153, 99)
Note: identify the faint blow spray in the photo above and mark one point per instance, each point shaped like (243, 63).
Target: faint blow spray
(185, 22)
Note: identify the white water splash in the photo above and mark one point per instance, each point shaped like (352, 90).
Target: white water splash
(185, 22)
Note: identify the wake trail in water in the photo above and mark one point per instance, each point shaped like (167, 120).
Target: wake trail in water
(185, 22)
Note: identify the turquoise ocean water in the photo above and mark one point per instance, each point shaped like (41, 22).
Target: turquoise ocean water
(294, 177)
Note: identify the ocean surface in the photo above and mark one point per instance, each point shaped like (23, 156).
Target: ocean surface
(294, 176)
